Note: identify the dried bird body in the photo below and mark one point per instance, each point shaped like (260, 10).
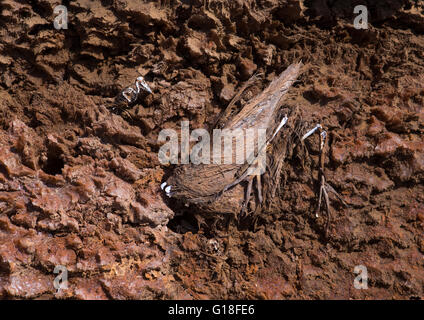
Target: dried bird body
(225, 188)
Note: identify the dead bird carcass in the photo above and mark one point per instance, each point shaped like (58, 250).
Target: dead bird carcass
(225, 189)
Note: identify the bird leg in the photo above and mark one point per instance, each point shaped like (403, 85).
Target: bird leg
(247, 197)
(325, 188)
(321, 173)
(259, 187)
(248, 173)
(258, 176)
(249, 192)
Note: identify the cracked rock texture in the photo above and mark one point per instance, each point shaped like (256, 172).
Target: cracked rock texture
(79, 182)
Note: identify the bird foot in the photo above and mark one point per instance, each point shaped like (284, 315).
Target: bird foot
(324, 188)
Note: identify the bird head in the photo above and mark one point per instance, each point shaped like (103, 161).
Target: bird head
(141, 84)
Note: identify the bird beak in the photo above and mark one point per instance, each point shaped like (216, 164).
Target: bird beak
(144, 85)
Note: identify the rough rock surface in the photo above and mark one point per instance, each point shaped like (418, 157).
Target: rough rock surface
(79, 184)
